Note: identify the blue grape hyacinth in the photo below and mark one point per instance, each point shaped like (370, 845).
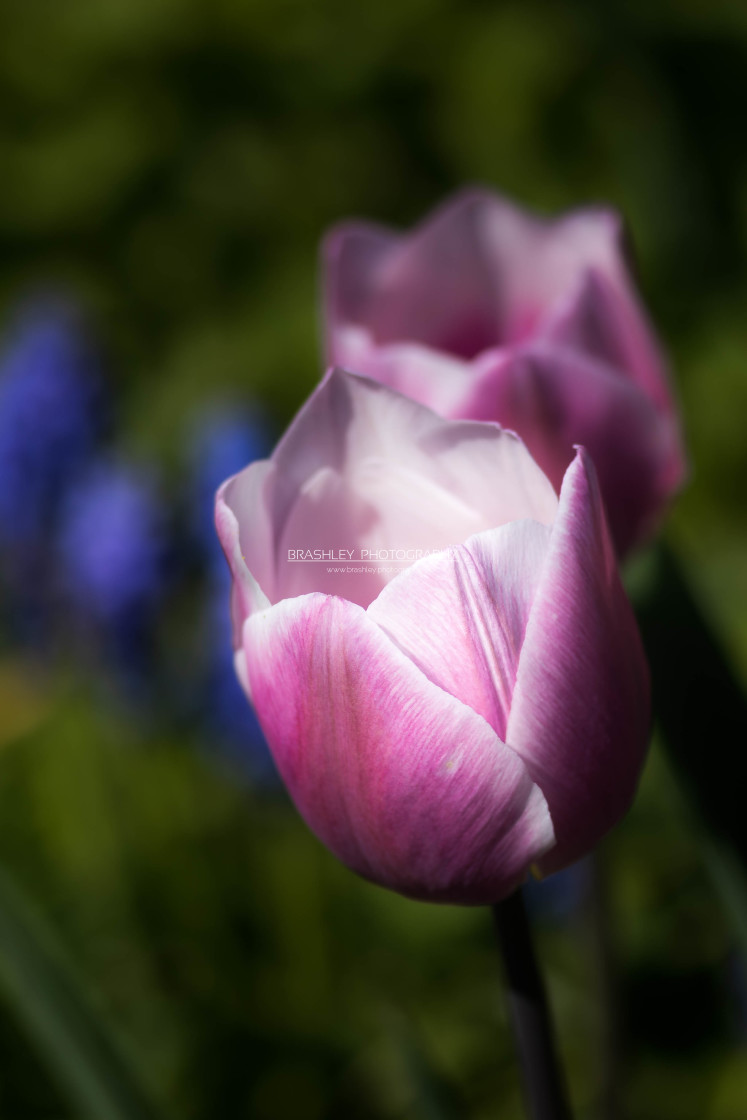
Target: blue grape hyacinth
(50, 424)
(49, 420)
(222, 443)
(112, 552)
(230, 724)
(112, 544)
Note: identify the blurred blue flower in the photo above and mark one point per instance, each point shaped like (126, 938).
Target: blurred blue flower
(49, 420)
(112, 551)
(112, 545)
(229, 721)
(224, 441)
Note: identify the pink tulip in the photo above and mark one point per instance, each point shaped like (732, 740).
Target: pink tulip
(486, 312)
(474, 704)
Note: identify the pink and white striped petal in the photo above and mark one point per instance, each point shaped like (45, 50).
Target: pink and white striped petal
(581, 705)
(461, 615)
(404, 783)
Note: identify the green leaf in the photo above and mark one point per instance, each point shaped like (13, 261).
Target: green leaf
(60, 1021)
(701, 714)
(699, 704)
(730, 881)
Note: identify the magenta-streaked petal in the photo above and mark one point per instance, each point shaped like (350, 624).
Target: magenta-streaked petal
(461, 615)
(580, 710)
(557, 397)
(244, 524)
(405, 784)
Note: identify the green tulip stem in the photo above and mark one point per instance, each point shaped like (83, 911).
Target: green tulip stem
(544, 1088)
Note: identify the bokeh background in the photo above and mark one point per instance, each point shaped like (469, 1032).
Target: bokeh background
(166, 170)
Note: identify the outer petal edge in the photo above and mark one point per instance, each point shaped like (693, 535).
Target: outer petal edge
(580, 714)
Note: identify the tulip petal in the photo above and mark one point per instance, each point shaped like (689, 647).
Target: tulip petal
(404, 783)
(431, 377)
(363, 467)
(560, 288)
(351, 254)
(480, 259)
(477, 273)
(244, 525)
(537, 260)
(461, 615)
(556, 397)
(603, 318)
(580, 710)
(432, 286)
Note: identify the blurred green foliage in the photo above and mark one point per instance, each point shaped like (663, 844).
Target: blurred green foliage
(173, 163)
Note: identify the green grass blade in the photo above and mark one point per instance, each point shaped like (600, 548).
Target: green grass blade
(61, 1023)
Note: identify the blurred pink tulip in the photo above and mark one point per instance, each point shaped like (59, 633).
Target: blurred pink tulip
(486, 312)
(439, 649)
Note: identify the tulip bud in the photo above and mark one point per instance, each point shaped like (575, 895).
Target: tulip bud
(486, 312)
(438, 648)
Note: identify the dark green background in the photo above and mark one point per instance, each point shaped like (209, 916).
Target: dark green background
(173, 164)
